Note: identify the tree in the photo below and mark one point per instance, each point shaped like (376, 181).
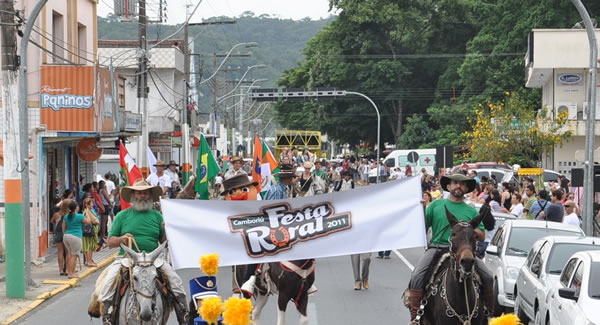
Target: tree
(416, 133)
(512, 131)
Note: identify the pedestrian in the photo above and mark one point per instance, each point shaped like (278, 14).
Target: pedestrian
(305, 180)
(436, 218)
(495, 201)
(98, 204)
(160, 178)
(236, 168)
(175, 180)
(571, 216)
(426, 199)
(111, 190)
(89, 241)
(506, 196)
(539, 205)
(57, 221)
(408, 170)
(531, 198)
(72, 230)
(555, 210)
(516, 208)
(105, 198)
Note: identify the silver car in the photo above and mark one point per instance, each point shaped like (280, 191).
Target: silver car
(508, 249)
(541, 272)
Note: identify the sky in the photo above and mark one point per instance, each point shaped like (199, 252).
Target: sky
(294, 9)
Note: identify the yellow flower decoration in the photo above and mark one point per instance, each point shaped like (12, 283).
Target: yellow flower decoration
(209, 264)
(210, 309)
(508, 319)
(237, 311)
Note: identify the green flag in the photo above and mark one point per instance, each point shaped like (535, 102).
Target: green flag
(207, 169)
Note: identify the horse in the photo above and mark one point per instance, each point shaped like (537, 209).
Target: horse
(144, 300)
(317, 186)
(290, 280)
(453, 295)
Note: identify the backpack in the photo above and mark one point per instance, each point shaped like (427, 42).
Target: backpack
(58, 233)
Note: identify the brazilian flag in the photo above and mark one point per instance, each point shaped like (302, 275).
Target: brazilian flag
(207, 169)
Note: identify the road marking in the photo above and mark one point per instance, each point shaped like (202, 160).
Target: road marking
(311, 311)
(400, 256)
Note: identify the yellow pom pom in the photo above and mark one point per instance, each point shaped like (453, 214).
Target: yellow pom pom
(209, 264)
(210, 309)
(237, 311)
(506, 319)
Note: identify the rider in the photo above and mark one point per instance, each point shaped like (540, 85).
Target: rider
(237, 162)
(435, 217)
(147, 227)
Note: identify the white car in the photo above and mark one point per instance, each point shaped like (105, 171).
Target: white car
(507, 252)
(541, 272)
(575, 299)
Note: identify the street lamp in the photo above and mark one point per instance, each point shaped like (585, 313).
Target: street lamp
(258, 66)
(247, 45)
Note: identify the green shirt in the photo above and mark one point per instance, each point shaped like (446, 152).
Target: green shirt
(146, 228)
(435, 217)
(321, 174)
(74, 224)
(528, 205)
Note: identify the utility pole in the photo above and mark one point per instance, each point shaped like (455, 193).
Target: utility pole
(15, 259)
(143, 89)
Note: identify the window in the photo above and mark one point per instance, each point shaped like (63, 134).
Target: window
(577, 279)
(82, 43)
(561, 253)
(499, 176)
(567, 272)
(58, 37)
(390, 162)
(522, 238)
(539, 257)
(497, 236)
(121, 93)
(594, 286)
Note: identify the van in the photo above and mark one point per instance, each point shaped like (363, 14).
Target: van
(420, 158)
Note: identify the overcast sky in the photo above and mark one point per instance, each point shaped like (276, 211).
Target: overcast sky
(294, 9)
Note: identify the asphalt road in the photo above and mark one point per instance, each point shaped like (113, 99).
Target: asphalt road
(335, 303)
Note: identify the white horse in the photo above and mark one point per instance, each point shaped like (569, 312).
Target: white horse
(317, 186)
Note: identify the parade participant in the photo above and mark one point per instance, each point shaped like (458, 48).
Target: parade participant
(319, 172)
(305, 180)
(175, 182)
(458, 185)
(237, 163)
(294, 156)
(160, 178)
(203, 288)
(146, 226)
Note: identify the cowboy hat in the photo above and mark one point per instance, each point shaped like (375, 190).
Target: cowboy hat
(141, 185)
(237, 181)
(471, 183)
(172, 162)
(160, 163)
(237, 158)
(286, 170)
(308, 165)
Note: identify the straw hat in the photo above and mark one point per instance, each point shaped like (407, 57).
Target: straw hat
(172, 162)
(141, 185)
(237, 158)
(160, 163)
(308, 165)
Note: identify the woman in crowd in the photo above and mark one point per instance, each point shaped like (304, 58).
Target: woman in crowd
(305, 180)
(58, 220)
(105, 198)
(427, 198)
(72, 229)
(494, 200)
(507, 193)
(67, 195)
(474, 195)
(89, 241)
(516, 208)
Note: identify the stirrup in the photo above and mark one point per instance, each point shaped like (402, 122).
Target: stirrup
(312, 290)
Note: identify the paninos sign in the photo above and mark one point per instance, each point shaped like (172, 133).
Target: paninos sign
(366, 219)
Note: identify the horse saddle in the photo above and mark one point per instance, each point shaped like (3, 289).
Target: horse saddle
(265, 285)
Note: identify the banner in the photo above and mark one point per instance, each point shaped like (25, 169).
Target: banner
(366, 219)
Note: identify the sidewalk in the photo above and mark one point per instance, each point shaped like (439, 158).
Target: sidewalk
(48, 283)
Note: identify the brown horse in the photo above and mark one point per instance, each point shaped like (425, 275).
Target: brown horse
(454, 292)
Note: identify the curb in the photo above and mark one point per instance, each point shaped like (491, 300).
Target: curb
(65, 285)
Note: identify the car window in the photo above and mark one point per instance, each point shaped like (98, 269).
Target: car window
(594, 285)
(390, 162)
(497, 236)
(561, 253)
(539, 257)
(567, 272)
(522, 238)
(499, 176)
(550, 177)
(577, 279)
(530, 256)
(480, 174)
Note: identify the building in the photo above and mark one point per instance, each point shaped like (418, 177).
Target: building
(557, 61)
(73, 108)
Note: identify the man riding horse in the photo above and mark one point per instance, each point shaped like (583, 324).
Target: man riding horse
(435, 217)
(146, 226)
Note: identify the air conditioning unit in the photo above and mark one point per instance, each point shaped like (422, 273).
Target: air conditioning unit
(585, 110)
(570, 108)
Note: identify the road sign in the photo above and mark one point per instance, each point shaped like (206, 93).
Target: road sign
(413, 157)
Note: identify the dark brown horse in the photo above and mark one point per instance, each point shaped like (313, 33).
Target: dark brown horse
(454, 292)
(290, 280)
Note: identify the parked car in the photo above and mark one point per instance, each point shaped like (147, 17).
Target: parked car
(508, 249)
(483, 164)
(541, 272)
(575, 298)
(502, 175)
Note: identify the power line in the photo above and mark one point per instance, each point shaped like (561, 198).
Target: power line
(160, 93)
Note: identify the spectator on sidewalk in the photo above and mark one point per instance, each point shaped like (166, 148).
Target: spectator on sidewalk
(554, 211)
(89, 240)
(72, 229)
(58, 220)
(571, 216)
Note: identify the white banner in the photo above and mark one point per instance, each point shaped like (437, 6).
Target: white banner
(366, 219)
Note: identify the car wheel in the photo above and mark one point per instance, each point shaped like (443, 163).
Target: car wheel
(519, 312)
(498, 309)
(538, 317)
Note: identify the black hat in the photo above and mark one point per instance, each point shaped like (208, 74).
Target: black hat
(236, 182)
(285, 170)
(172, 162)
(471, 183)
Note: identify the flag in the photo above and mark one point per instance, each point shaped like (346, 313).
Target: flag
(256, 162)
(151, 160)
(268, 167)
(129, 171)
(207, 169)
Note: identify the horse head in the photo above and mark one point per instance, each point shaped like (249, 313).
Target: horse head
(318, 185)
(144, 270)
(463, 240)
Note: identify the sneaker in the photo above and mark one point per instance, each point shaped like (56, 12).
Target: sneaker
(357, 286)
(365, 284)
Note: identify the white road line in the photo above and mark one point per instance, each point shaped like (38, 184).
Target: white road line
(400, 256)
(311, 311)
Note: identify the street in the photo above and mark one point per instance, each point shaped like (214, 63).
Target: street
(335, 303)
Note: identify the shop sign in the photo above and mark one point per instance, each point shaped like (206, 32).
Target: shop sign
(87, 149)
(105, 100)
(66, 98)
(570, 79)
(131, 122)
(160, 143)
